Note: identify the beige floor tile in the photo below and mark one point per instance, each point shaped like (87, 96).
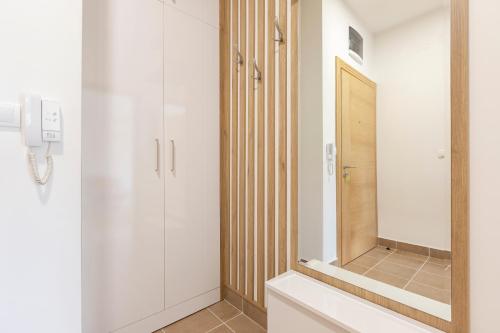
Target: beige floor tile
(387, 278)
(224, 311)
(405, 260)
(437, 261)
(200, 322)
(355, 268)
(404, 272)
(221, 329)
(433, 280)
(413, 255)
(379, 253)
(437, 269)
(439, 295)
(366, 260)
(242, 324)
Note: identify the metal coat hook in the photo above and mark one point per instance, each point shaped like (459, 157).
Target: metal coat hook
(239, 57)
(281, 38)
(256, 69)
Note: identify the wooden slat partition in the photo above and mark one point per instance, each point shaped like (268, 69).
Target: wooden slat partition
(251, 153)
(250, 199)
(271, 140)
(261, 154)
(243, 115)
(234, 149)
(224, 35)
(283, 147)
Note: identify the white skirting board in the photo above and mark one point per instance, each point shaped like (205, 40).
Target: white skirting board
(298, 303)
(173, 314)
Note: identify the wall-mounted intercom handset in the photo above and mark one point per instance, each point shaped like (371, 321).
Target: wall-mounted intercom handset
(42, 124)
(330, 158)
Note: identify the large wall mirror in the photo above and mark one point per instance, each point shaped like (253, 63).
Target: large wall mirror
(380, 88)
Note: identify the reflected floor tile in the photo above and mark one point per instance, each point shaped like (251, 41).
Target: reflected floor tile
(433, 280)
(243, 324)
(387, 278)
(440, 295)
(355, 268)
(437, 269)
(405, 260)
(379, 253)
(221, 329)
(396, 269)
(200, 322)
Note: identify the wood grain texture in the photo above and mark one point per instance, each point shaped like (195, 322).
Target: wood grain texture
(234, 148)
(271, 141)
(356, 149)
(243, 152)
(224, 17)
(283, 145)
(261, 154)
(294, 223)
(460, 312)
(460, 185)
(251, 153)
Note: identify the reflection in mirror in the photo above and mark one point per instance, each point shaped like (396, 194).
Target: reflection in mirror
(374, 146)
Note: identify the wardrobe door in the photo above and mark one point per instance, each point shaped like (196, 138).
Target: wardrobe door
(123, 202)
(192, 157)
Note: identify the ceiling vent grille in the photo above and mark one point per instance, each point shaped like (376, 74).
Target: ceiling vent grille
(355, 45)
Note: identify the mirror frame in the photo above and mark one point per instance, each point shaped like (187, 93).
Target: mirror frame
(460, 322)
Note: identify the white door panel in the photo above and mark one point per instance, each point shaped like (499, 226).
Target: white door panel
(204, 10)
(191, 193)
(123, 195)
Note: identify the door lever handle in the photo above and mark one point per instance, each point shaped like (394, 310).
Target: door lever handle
(348, 167)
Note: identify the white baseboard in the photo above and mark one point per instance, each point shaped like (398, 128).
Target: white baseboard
(173, 314)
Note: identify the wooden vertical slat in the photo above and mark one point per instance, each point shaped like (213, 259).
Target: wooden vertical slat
(294, 200)
(282, 216)
(224, 16)
(251, 151)
(271, 142)
(234, 150)
(260, 159)
(243, 105)
(460, 201)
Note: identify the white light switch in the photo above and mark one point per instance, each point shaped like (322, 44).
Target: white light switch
(10, 115)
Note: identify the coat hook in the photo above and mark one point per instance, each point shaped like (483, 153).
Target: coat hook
(280, 39)
(257, 77)
(239, 58)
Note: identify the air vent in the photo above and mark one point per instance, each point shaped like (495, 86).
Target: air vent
(355, 45)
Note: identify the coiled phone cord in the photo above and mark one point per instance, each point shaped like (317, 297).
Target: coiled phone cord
(34, 166)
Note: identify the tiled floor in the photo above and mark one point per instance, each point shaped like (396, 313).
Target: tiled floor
(218, 318)
(419, 274)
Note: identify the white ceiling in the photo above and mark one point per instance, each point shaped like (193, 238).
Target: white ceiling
(379, 15)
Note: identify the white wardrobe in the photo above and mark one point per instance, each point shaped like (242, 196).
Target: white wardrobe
(150, 162)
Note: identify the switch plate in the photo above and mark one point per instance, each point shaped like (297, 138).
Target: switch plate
(10, 115)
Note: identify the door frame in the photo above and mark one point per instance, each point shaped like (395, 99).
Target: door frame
(341, 65)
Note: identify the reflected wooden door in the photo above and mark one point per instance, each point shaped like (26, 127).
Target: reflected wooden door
(356, 163)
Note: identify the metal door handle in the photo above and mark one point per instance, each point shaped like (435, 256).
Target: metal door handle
(157, 141)
(172, 162)
(348, 167)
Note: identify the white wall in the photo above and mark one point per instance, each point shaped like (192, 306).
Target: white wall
(40, 230)
(413, 123)
(311, 131)
(485, 164)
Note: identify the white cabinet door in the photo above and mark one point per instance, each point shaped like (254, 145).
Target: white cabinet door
(123, 206)
(192, 157)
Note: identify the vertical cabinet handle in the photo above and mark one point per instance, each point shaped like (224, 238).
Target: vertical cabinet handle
(157, 170)
(172, 162)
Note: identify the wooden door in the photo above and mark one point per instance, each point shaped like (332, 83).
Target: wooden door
(356, 163)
